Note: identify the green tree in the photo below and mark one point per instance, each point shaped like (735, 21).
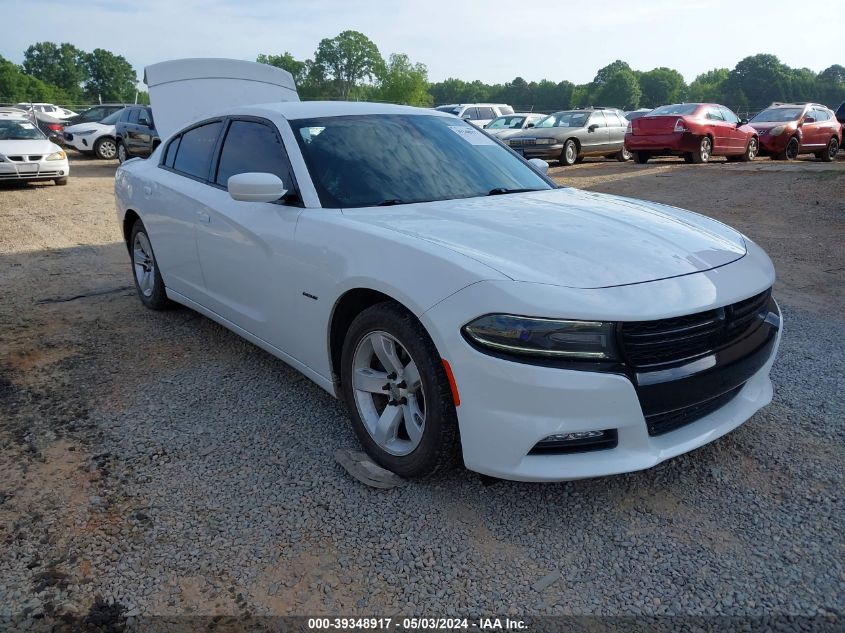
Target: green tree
(404, 82)
(17, 86)
(621, 90)
(709, 86)
(662, 86)
(59, 64)
(604, 74)
(287, 62)
(759, 80)
(348, 59)
(110, 77)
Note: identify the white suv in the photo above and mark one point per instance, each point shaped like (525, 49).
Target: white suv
(479, 114)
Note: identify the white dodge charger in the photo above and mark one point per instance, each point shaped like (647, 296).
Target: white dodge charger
(455, 298)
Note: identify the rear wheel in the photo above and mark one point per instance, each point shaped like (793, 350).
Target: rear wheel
(148, 281)
(569, 155)
(704, 151)
(751, 150)
(793, 148)
(830, 151)
(623, 155)
(398, 396)
(105, 148)
(121, 152)
(641, 158)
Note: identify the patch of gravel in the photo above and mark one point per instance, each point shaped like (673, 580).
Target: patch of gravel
(213, 489)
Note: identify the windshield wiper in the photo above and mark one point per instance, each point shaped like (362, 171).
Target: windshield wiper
(498, 191)
(390, 202)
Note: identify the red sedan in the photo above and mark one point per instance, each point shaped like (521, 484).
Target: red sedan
(696, 131)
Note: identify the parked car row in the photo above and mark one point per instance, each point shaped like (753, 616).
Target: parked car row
(26, 154)
(125, 133)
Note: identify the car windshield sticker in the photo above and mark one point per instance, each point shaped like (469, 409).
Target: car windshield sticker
(471, 135)
(27, 126)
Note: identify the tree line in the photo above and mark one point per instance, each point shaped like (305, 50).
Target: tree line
(350, 66)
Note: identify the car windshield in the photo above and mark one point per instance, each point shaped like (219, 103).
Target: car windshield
(778, 115)
(676, 109)
(19, 131)
(372, 160)
(506, 122)
(112, 118)
(564, 119)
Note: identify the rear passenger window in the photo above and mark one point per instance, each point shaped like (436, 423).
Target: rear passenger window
(193, 157)
(714, 114)
(505, 110)
(486, 113)
(470, 113)
(171, 152)
(251, 146)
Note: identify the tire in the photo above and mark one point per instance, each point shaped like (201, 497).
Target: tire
(569, 155)
(793, 148)
(105, 148)
(122, 156)
(704, 151)
(432, 446)
(150, 287)
(641, 158)
(688, 158)
(623, 156)
(751, 150)
(60, 182)
(830, 152)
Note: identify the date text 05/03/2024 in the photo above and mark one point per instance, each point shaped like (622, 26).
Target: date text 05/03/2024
(414, 624)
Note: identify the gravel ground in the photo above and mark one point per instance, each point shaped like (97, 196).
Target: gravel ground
(154, 463)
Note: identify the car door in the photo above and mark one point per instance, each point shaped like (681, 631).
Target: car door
(737, 139)
(144, 132)
(178, 197)
(718, 128)
(814, 129)
(245, 247)
(130, 137)
(594, 140)
(616, 126)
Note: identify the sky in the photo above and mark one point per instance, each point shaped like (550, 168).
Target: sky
(494, 40)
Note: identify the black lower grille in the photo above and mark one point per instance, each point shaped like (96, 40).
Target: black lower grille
(665, 341)
(661, 423)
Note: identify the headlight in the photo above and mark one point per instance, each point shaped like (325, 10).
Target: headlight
(551, 338)
(777, 130)
(60, 155)
(545, 141)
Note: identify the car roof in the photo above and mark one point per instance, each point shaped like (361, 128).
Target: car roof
(315, 109)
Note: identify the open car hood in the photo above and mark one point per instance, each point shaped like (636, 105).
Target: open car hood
(183, 91)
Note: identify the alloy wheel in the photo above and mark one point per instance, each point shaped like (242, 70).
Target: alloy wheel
(833, 148)
(792, 149)
(571, 153)
(108, 149)
(143, 264)
(388, 393)
(752, 149)
(706, 148)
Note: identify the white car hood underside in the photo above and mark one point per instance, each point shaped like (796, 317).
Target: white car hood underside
(568, 237)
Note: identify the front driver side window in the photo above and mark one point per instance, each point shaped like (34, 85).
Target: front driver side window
(251, 146)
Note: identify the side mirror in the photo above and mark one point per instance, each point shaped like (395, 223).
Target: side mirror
(256, 187)
(593, 127)
(742, 122)
(540, 165)
(529, 125)
(809, 119)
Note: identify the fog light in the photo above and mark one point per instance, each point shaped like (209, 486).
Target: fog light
(577, 442)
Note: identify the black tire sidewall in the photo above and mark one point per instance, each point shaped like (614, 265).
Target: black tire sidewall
(158, 299)
(563, 160)
(438, 447)
(121, 148)
(99, 144)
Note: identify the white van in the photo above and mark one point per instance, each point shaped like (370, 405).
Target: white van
(479, 114)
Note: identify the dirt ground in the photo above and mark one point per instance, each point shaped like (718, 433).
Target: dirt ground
(69, 319)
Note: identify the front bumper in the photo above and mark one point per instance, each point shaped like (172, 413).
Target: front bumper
(674, 144)
(508, 407)
(772, 144)
(40, 170)
(545, 152)
(79, 143)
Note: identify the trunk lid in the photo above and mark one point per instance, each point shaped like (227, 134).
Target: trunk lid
(654, 124)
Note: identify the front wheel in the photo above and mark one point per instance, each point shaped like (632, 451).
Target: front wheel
(121, 152)
(830, 151)
(569, 155)
(791, 151)
(751, 150)
(61, 182)
(148, 281)
(397, 392)
(105, 149)
(703, 153)
(623, 155)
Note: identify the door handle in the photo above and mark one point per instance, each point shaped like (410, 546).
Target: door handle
(148, 191)
(203, 217)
